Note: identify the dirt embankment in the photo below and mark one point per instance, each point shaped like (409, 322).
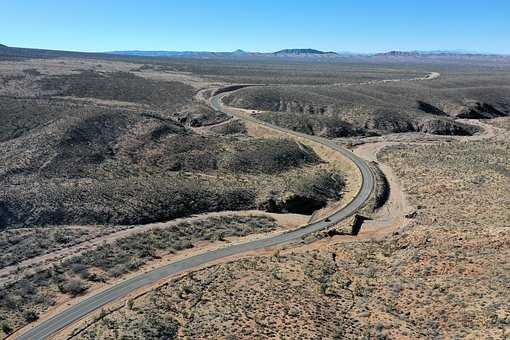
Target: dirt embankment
(392, 215)
(396, 214)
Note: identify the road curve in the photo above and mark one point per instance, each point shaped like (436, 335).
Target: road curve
(77, 311)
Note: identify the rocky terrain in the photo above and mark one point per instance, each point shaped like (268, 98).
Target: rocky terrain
(122, 167)
(24, 300)
(101, 153)
(445, 275)
(381, 107)
(122, 144)
(91, 149)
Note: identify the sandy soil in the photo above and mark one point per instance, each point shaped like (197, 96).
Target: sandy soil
(391, 217)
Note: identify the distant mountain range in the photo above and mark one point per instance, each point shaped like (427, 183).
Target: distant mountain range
(432, 53)
(304, 54)
(307, 53)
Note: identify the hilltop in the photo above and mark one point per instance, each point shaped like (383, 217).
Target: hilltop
(437, 53)
(302, 51)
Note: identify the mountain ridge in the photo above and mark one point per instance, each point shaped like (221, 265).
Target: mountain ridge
(305, 55)
(398, 53)
(308, 53)
(302, 51)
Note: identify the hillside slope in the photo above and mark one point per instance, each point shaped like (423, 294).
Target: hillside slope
(430, 106)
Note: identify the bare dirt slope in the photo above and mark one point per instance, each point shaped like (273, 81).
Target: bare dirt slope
(432, 104)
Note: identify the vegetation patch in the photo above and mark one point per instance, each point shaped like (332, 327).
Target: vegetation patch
(121, 86)
(198, 115)
(23, 301)
(382, 108)
(305, 193)
(127, 167)
(22, 244)
(445, 276)
(231, 128)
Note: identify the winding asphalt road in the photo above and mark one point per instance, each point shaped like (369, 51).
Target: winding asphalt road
(77, 311)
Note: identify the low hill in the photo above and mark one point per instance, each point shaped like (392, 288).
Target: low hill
(87, 165)
(71, 154)
(302, 51)
(438, 53)
(185, 60)
(333, 111)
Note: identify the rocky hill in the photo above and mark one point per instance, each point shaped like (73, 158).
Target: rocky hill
(302, 51)
(112, 147)
(438, 53)
(344, 112)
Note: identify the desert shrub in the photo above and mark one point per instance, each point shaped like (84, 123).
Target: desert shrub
(6, 327)
(196, 115)
(231, 128)
(269, 156)
(129, 253)
(30, 316)
(32, 72)
(339, 111)
(305, 193)
(21, 244)
(122, 168)
(123, 86)
(325, 126)
(158, 326)
(73, 287)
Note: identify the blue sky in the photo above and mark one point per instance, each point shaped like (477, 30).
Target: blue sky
(257, 25)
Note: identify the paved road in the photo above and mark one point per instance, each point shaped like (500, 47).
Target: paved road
(115, 292)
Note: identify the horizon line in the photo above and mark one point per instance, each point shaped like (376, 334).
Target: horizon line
(430, 51)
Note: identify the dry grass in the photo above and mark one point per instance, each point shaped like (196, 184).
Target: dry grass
(503, 122)
(456, 184)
